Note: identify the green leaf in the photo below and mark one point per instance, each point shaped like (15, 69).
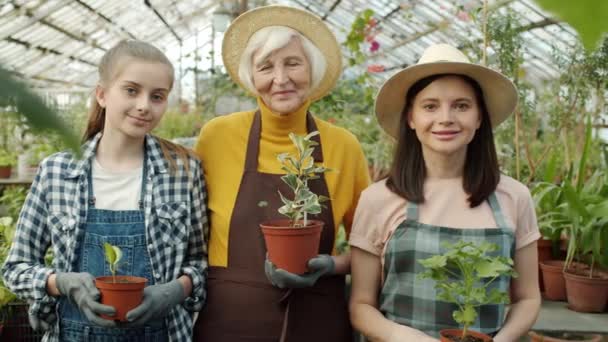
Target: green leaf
(575, 204)
(490, 269)
(291, 180)
(466, 316)
(323, 199)
(110, 253)
(284, 199)
(497, 297)
(118, 254)
(298, 141)
(311, 134)
(37, 114)
(583, 161)
(436, 261)
(587, 17)
(478, 294)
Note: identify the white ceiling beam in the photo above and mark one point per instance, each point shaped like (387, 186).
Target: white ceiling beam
(36, 17)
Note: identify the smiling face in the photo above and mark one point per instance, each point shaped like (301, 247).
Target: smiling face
(283, 78)
(445, 116)
(136, 99)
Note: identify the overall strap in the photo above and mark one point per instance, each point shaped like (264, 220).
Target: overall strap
(412, 211)
(499, 217)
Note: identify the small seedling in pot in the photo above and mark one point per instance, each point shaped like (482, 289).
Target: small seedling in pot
(113, 256)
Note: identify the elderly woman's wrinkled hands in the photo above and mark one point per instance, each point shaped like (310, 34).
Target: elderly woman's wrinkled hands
(318, 266)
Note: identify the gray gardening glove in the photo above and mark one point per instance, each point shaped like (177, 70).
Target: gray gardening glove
(318, 266)
(157, 302)
(80, 289)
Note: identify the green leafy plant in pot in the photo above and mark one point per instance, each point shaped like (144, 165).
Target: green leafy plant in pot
(462, 276)
(7, 229)
(587, 210)
(123, 292)
(7, 161)
(293, 241)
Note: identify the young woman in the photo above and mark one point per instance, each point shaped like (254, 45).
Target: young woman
(444, 185)
(128, 188)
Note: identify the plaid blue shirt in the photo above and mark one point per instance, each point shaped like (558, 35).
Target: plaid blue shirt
(55, 212)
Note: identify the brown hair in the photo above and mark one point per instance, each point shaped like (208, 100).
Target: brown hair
(109, 68)
(408, 170)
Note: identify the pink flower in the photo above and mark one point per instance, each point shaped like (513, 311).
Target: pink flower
(373, 68)
(462, 15)
(375, 46)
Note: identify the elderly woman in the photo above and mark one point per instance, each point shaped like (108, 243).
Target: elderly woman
(287, 58)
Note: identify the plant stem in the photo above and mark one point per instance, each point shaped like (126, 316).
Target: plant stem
(484, 56)
(305, 213)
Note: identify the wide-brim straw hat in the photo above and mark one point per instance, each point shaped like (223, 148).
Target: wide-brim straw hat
(308, 24)
(499, 93)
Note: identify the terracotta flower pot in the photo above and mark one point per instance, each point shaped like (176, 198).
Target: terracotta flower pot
(291, 248)
(553, 278)
(586, 294)
(545, 252)
(5, 171)
(567, 337)
(124, 294)
(448, 335)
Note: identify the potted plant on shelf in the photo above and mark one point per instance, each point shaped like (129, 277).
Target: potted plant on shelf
(7, 161)
(552, 222)
(587, 209)
(122, 292)
(463, 275)
(587, 257)
(293, 241)
(6, 296)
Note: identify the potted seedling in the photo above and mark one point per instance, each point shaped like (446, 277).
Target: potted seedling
(463, 275)
(6, 296)
(122, 292)
(7, 161)
(293, 241)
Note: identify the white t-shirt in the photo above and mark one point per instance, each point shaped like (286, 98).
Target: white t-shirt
(116, 190)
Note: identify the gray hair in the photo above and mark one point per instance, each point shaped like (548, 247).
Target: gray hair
(271, 38)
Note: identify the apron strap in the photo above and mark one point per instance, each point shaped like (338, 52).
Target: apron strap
(253, 143)
(412, 211)
(499, 217)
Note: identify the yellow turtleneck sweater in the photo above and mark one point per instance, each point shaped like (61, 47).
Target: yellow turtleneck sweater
(222, 145)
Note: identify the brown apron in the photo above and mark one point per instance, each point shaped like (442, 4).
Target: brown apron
(241, 304)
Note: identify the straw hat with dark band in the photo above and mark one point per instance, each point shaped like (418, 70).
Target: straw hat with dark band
(309, 25)
(499, 93)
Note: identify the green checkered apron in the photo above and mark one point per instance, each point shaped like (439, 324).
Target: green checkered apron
(411, 301)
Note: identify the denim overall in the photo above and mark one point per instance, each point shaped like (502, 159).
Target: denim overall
(125, 229)
(411, 301)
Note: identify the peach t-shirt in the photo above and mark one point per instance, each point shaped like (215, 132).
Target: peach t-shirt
(380, 211)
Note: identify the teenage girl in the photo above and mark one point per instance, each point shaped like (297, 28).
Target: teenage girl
(128, 188)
